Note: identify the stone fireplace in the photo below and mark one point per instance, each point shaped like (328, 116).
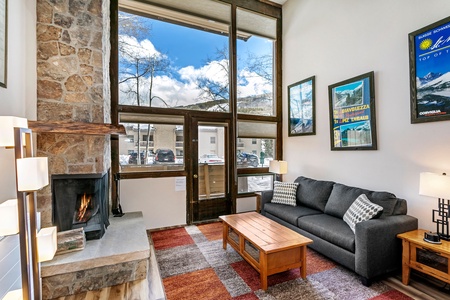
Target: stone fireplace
(73, 90)
(73, 52)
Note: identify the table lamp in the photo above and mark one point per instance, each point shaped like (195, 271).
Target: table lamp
(438, 186)
(279, 167)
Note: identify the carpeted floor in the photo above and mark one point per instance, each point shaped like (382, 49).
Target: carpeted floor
(194, 266)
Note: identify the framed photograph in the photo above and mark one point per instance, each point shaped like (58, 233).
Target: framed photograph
(3, 41)
(302, 107)
(429, 64)
(352, 114)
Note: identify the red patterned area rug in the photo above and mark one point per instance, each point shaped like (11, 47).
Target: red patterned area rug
(194, 266)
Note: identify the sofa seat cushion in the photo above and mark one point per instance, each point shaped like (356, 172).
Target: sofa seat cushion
(342, 196)
(313, 193)
(329, 228)
(288, 213)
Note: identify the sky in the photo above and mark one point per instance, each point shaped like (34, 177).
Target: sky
(189, 51)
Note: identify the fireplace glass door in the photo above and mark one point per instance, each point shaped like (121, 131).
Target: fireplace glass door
(81, 201)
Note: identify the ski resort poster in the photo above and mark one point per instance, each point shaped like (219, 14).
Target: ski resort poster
(430, 72)
(352, 112)
(301, 107)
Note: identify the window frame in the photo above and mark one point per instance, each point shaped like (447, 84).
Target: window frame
(264, 8)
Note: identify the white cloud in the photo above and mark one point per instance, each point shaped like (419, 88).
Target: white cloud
(253, 84)
(214, 70)
(133, 48)
(185, 91)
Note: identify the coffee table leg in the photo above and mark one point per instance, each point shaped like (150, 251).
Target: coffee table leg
(225, 235)
(263, 270)
(406, 270)
(303, 263)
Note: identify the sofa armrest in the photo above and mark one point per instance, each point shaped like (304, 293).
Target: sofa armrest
(265, 197)
(377, 248)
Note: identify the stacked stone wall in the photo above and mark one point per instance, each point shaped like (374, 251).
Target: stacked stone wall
(72, 85)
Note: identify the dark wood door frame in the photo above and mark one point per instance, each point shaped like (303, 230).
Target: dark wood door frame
(192, 163)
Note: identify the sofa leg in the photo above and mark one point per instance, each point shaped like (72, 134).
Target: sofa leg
(366, 281)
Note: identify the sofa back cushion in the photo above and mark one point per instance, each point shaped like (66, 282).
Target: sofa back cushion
(342, 196)
(313, 193)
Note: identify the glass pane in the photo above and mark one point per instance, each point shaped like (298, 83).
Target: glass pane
(252, 153)
(211, 167)
(160, 147)
(248, 184)
(255, 52)
(167, 65)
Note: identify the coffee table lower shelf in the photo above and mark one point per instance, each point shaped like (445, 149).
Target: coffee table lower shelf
(267, 246)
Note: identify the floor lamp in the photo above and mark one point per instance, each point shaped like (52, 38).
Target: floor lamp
(31, 175)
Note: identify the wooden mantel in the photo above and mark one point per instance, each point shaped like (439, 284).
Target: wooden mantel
(75, 128)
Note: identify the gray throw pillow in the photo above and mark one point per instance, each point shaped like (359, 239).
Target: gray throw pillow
(285, 193)
(361, 210)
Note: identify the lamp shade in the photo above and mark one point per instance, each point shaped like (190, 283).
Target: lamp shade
(46, 243)
(278, 166)
(434, 185)
(9, 217)
(14, 295)
(7, 124)
(32, 173)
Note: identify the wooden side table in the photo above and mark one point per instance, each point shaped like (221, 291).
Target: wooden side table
(428, 258)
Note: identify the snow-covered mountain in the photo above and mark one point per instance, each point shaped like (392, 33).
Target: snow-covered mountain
(429, 77)
(440, 82)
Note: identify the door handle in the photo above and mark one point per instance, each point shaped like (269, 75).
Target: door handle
(195, 176)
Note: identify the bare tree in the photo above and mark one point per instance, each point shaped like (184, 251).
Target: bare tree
(262, 65)
(138, 66)
(216, 87)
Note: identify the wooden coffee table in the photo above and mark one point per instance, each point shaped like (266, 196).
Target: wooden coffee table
(266, 245)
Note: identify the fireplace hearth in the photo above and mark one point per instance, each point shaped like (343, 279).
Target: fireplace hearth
(81, 200)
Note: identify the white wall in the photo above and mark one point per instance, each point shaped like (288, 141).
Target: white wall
(18, 99)
(161, 200)
(337, 40)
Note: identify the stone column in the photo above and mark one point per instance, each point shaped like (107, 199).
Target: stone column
(72, 85)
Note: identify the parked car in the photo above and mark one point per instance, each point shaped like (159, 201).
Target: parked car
(164, 155)
(210, 159)
(247, 159)
(132, 158)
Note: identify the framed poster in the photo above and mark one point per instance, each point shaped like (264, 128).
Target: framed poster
(429, 63)
(3, 41)
(352, 114)
(302, 107)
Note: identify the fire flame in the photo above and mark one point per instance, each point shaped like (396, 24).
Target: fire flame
(84, 205)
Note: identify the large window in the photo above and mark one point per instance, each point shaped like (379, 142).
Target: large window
(163, 64)
(176, 60)
(255, 63)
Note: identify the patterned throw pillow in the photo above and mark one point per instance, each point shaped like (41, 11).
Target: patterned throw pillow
(285, 193)
(361, 210)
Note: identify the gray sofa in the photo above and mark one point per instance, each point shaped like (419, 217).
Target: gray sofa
(371, 251)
